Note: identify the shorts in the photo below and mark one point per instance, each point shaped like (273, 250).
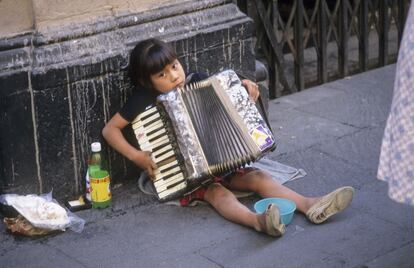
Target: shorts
(198, 195)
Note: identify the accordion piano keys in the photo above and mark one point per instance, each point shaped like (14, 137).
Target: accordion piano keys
(166, 183)
(173, 189)
(153, 135)
(166, 172)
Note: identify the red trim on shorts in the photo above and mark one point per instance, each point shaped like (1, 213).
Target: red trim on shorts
(200, 192)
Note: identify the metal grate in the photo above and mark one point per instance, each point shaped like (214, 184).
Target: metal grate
(335, 38)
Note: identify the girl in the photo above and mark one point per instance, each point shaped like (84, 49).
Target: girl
(154, 69)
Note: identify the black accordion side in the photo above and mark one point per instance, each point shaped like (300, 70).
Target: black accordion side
(206, 129)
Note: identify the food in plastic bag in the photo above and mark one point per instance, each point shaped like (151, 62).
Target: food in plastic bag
(43, 212)
(19, 225)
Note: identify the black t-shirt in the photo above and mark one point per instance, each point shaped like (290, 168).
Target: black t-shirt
(141, 98)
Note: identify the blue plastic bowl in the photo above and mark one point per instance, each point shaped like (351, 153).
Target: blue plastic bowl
(286, 207)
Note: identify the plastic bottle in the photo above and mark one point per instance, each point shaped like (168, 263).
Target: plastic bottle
(88, 187)
(99, 178)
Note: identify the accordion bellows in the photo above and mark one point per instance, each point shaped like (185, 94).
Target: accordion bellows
(206, 129)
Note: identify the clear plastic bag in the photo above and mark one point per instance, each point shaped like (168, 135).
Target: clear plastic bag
(43, 212)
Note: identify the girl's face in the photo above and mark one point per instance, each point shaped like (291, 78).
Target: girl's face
(170, 77)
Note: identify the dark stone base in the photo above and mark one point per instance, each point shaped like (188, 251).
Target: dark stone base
(59, 88)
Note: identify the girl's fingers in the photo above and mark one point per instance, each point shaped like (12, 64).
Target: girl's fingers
(153, 165)
(252, 89)
(150, 172)
(149, 165)
(254, 93)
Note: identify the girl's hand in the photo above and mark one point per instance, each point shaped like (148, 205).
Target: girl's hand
(143, 160)
(252, 89)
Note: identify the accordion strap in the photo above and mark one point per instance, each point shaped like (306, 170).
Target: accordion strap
(264, 113)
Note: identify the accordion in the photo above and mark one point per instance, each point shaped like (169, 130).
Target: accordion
(206, 129)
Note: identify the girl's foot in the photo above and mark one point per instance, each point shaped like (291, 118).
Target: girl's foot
(270, 222)
(330, 204)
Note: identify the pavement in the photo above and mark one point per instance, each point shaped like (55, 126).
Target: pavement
(332, 131)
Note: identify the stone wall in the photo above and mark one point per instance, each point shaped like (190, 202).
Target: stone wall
(59, 85)
(16, 16)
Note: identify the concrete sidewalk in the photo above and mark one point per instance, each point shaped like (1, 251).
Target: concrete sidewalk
(332, 131)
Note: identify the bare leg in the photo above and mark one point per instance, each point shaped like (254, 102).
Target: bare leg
(230, 208)
(261, 183)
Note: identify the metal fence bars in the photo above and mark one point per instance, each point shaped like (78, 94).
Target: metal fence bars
(332, 38)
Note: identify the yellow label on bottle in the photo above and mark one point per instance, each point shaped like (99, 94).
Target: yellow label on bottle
(100, 189)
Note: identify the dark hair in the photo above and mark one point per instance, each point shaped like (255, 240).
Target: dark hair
(147, 58)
